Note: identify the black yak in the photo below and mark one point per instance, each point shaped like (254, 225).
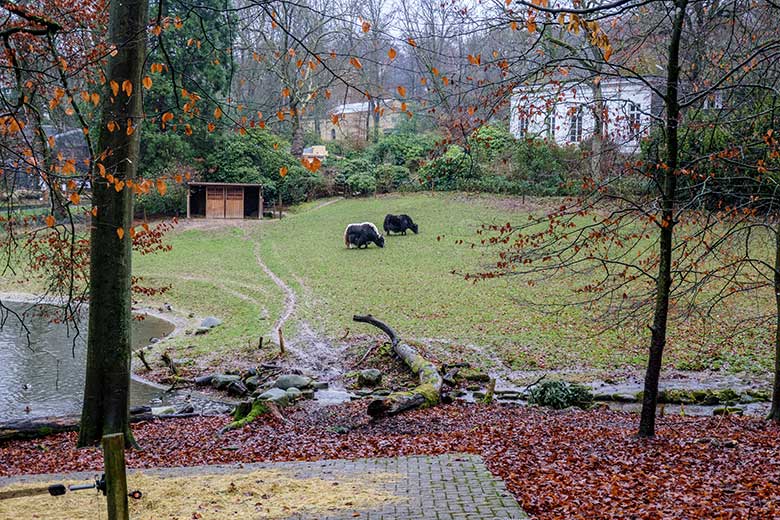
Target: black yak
(360, 235)
(399, 224)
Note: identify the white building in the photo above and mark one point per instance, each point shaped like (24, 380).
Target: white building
(564, 112)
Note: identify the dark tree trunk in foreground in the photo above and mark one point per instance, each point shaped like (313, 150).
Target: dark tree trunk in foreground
(107, 385)
(668, 182)
(774, 412)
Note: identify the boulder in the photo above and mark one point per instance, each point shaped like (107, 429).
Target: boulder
(163, 410)
(286, 381)
(320, 385)
(294, 394)
(369, 377)
(237, 388)
(210, 322)
(728, 410)
(252, 382)
(275, 395)
(221, 381)
(307, 394)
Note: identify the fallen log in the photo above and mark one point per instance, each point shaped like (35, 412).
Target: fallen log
(426, 394)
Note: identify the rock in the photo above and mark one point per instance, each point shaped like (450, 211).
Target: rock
(728, 410)
(163, 410)
(241, 410)
(275, 395)
(294, 394)
(252, 382)
(203, 380)
(512, 396)
(363, 392)
(624, 398)
(292, 380)
(479, 395)
(370, 377)
(201, 330)
(473, 375)
(237, 388)
(320, 385)
(382, 392)
(473, 388)
(307, 394)
(221, 381)
(188, 408)
(210, 322)
(135, 410)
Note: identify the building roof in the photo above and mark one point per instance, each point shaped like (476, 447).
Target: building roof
(240, 184)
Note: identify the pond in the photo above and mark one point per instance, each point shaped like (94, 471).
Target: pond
(45, 376)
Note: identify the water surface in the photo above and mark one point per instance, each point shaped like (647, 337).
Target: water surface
(44, 376)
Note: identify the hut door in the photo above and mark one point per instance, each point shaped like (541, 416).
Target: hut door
(215, 202)
(234, 202)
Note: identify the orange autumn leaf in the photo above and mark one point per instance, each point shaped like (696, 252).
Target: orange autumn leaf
(161, 187)
(187, 129)
(334, 119)
(120, 233)
(403, 107)
(327, 94)
(286, 92)
(111, 126)
(401, 91)
(127, 87)
(114, 87)
(211, 127)
(531, 24)
(94, 212)
(312, 164)
(74, 198)
(95, 98)
(392, 53)
(276, 146)
(50, 221)
(366, 27)
(283, 171)
(130, 128)
(411, 42)
(355, 63)
(280, 115)
(147, 82)
(513, 25)
(217, 113)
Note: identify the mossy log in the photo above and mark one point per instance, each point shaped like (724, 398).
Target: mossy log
(426, 394)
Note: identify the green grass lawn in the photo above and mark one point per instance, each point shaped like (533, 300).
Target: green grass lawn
(410, 284)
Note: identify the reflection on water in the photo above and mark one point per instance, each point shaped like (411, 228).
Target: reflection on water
(46, 376)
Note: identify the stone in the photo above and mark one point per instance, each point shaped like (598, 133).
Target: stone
(188, 408)
(369, 377)
(479, 395)
(163, 410)
(473, 375)
(292, 380)
(237, 388)
(624, 398)
(728, 410)
(511, 396)
(363, 392)
(221, 381)
(294, 394)
(473, 388)
(135, 410)
(307, 394)
(252, 382)
(275, 395)
(320, 385)
(382, 392)
(210, 322)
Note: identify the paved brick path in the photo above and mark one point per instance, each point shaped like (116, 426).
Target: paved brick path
(446, 487)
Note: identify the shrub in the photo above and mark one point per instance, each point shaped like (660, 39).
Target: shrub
(361, 183)
(449, 170)
(390, 178)
(491, 142)
(173, 203)
(402, 149)
(560, 395)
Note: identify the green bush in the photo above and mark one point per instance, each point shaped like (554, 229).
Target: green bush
(173, 203)
(391, 178)
(402, 149)
(361, 184)
(449, 171)
(560, 395)
(491, 142)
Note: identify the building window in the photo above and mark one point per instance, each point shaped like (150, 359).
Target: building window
(332, 134)
(550, 120)
(523, 125)
(575, 124)
(634, 121)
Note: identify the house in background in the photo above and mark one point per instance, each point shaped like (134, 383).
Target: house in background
(564, 112)
(356, 120)
(315, 152)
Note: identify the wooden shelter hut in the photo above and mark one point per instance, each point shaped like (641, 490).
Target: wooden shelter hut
(224, 200)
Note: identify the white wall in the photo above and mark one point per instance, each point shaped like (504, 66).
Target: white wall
(537, 103)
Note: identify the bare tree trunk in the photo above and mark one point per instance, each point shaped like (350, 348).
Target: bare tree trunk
(107, 387)
(663, 281)
(296, 145)
(774, 411)
(597, 144)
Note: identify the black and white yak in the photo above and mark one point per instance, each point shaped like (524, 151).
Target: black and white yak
(360, 235)
(399, 224)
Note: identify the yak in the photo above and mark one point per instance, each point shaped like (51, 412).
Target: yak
(360, 235)
(399, 224)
